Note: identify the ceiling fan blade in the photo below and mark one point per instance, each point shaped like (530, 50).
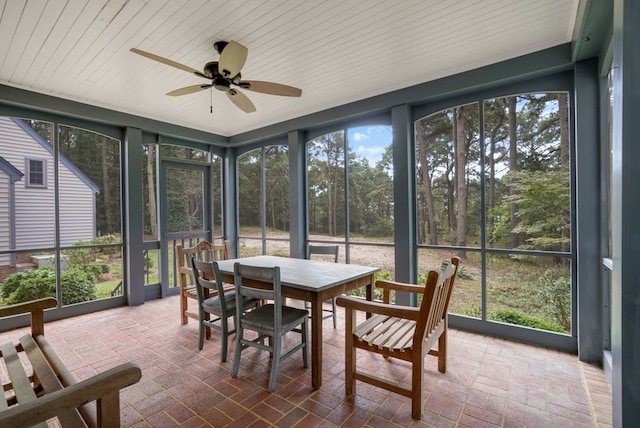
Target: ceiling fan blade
(188, 90)
(232, 59)
(270, 88)
(241, 101)
(168, 62)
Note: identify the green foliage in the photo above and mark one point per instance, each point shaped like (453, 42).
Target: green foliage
(543, 199)
(96, 269)
(470, 309)
(84, 256)
(148, 262)
(377, 292)
(77, 286)
(79, 256)
(463, 273)
(382, 227)
(556, 294)
(29, 285)
(514, 317)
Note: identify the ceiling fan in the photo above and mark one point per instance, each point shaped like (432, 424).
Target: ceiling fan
(224, 74)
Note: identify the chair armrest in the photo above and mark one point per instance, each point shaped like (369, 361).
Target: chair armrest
(388, 286)
(32, 306)
(72, 397)
(399, 311)
(36, 308)
(399, 286)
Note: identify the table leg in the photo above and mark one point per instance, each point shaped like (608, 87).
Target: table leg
(316, 342)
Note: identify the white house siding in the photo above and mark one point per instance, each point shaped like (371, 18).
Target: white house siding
(5, 226)
(35, 212)
(77, 218)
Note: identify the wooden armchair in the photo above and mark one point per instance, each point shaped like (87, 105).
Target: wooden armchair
(205, 251)
(402, 332)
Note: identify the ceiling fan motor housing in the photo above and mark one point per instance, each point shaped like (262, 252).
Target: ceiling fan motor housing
(219, 81)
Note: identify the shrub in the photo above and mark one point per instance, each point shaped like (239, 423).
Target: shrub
(96, 269)
(556, 294)
(29, 285)
(77, 286)
(514, 317)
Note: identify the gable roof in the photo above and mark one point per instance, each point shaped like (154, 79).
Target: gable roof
(10, 170)
(66, 162)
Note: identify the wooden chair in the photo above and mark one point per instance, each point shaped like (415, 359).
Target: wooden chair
(271, 321)
(210, 288)
(204, 250)
(402, 332)
(325, 250)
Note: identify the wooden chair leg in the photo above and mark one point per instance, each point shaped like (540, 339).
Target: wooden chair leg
(207, 329)
(442, 352)
(417, 385)
(350, 355)
(225, 339)
(183, 307)
(305, 348)
(335, 314)
(200, 336)
(277, 343)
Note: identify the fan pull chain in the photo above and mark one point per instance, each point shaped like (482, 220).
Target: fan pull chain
(211, 104)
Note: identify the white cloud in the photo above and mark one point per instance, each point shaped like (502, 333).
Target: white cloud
(359, 136)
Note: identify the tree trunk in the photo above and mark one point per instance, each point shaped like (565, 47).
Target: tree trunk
(151, 184)
(106, 189)
(563, 114)
(491, 184)
(513, 166)
(460, 150)
(426, 188)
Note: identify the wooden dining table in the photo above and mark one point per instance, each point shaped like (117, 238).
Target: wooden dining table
(313, 281)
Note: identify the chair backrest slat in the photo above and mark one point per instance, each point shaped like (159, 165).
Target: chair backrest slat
(206, 274)
(258, 282)
(435, 302)
(326, 250)
(203, 250)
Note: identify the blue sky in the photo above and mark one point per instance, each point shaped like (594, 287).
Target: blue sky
(370, 142)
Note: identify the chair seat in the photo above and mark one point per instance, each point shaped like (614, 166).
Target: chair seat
(212, 304)
(262, 317)
(385, 332)
(191, 291)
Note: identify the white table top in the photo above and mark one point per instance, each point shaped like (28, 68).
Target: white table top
(305, 274)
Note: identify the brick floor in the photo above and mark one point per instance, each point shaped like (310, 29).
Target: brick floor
(489, 382)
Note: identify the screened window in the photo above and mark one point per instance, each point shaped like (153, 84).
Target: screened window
(68, 236)
(350, 194)
(263, 179)
(493, 180)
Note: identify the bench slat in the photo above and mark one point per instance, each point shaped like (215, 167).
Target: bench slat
(367, 325)
(3, 402)
(48, 379)
(88, 411)
(19, 379)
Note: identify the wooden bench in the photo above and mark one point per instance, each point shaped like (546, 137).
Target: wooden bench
(38, 387)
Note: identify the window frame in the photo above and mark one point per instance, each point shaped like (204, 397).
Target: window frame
(28, 171)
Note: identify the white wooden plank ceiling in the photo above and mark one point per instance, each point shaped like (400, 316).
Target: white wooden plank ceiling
(336, 51)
